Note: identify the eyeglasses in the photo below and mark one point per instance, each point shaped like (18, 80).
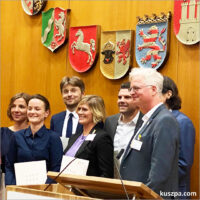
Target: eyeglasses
(136, 89)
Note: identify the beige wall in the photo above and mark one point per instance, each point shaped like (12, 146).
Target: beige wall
(26, 65)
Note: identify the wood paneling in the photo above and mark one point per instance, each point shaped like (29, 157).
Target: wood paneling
(26, 65)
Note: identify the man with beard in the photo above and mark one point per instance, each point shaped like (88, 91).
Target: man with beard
(66, 123)
(121, 127)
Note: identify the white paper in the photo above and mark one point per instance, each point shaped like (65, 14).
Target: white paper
(64, 141)
(77, 167)
(31, 173)
(23, 196)
(136, 144)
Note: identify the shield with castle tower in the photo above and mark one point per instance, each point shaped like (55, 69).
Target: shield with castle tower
(187, 21)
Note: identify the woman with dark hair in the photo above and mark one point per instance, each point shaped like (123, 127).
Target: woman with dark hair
(93, 143)
(187, 134)
(36, 142)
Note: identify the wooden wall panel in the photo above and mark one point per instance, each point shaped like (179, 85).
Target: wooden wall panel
(26, 65)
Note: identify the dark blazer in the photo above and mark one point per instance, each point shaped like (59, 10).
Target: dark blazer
(156, 163)
(111, 123)
(186, 154)
(57, 122)
(99, 152)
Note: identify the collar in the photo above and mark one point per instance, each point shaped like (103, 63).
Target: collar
(39, 133)
(134, 120)
(148, 115)
(75, 115)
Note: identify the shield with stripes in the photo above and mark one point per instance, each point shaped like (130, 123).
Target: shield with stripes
(54, 27)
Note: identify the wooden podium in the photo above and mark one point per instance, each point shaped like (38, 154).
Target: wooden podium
(85, 187)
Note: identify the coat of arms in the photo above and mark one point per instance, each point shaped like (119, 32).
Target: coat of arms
(116, 53)
(83, 47)
(187, 21)
(54, 27)
(33, 7)
(152, 40)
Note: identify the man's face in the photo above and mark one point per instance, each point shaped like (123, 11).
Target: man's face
(125, 102)
(71, 96)
(141, 92)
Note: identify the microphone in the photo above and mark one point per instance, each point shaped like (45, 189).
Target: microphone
(120, 154)
(118, 172)
(59, 174)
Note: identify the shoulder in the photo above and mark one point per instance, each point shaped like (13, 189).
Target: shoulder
(52, 134)
(102, 134)
(112, 117)
(181, 116)
(58, 115)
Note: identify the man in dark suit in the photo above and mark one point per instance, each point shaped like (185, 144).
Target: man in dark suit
(122, 126)
(66, 123)
(152, 154)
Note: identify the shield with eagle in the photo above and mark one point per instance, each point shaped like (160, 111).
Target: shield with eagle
(187, 21)
(83, 47)
(54, 27)
(33, 7)
(152, 39)
(116, 53)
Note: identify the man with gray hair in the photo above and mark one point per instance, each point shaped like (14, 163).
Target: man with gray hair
(152, 153)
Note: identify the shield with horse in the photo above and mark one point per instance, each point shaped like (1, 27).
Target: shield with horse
(83, 47)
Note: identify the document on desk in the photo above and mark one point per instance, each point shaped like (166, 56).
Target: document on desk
(77, 167)
(31, 173)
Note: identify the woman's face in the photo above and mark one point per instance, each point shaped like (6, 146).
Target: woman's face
(36, 111)
(19, 110)
(85, 114)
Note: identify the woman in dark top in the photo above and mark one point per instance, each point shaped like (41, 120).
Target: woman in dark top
(36, 142)
(17, 112)
(93, 143)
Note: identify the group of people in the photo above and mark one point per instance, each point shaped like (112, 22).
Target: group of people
(149, 140)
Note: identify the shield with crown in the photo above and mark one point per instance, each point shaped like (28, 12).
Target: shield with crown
(55, 24)
(187, 21)
(152, 40)
(116, 53)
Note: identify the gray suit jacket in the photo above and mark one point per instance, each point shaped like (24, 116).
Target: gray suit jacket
(111, 123)
(156, 164)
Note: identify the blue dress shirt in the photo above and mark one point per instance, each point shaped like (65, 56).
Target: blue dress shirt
(44, 145)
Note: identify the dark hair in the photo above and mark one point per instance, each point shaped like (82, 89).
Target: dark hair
(23, 95)
(174, 102)
(43, 99)
(125, 85)
(74, 81)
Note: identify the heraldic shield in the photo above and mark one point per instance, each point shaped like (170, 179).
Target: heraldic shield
(54, 27)
(33, 7)
(152, 40)
(187, 21)
(116, 53)
(83, 47)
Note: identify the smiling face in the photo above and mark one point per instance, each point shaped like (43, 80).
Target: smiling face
(85, 114)
(19, 110)
(140, 91)
(36, 112)
(125, 102)
(71, 96)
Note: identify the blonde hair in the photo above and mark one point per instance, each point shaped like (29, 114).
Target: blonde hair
(96, 105)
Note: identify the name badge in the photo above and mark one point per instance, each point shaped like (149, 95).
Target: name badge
(136, 144)
(90, 137)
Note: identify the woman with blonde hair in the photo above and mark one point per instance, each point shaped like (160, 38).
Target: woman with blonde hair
(93, 143)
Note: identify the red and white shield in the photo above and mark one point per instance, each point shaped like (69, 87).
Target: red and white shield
(187, 21)
(83, 47)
